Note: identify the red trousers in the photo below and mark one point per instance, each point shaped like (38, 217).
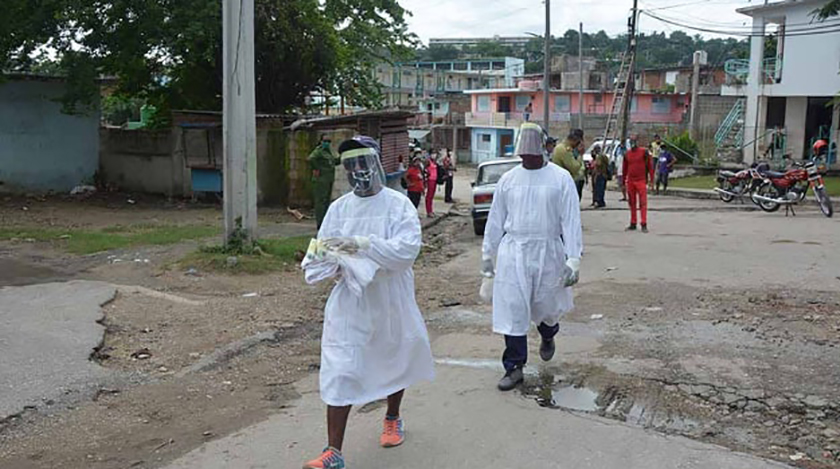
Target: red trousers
(637, 189)
(431, 187)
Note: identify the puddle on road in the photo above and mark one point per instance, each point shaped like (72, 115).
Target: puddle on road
(572, 398)
(646, 406)
(16, 273)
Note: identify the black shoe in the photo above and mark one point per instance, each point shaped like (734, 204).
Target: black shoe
(547, 349)
(630, 228)
(511, 379)
(644, 229)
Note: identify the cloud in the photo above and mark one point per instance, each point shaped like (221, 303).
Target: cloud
(487, 18)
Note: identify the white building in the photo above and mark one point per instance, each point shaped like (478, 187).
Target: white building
(461, 42)
(409, 83)
(791, 90)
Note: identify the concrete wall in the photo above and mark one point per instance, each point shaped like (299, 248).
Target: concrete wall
(42, 149)
(796, 111)
(150, 161)
(809, 61)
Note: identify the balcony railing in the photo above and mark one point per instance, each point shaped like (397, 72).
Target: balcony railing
(511, 119)
(739, 70)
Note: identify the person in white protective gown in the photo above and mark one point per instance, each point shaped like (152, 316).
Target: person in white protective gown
(374, 342)
(534, 235)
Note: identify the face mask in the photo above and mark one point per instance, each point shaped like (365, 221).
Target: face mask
(325, 145)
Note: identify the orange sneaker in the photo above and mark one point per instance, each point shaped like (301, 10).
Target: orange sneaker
(393, 433)
(331, 458)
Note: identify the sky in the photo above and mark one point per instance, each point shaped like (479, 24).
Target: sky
(486, 18)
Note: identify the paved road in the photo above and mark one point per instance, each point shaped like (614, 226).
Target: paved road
(47, 333)
(461, 421)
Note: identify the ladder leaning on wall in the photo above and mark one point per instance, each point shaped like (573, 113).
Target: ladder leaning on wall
(622, 82)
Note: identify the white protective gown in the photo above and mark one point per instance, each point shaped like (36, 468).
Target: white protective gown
(534, 225)
(375, 344)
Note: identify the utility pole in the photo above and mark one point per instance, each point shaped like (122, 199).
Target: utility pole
(580, 72)
(547, 68)
(239, 126)
(631, 50)
(695, 88)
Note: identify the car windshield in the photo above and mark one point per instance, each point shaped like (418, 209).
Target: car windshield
(490, 174)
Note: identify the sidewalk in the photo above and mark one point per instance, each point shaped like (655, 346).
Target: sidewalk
(461, 420)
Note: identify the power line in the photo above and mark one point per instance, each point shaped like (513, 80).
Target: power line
(789, 27)
(788, 33)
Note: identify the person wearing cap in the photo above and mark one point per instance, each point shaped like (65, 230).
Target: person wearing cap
(570, 157)
(374, 343)
(532, 247)
(322, 161)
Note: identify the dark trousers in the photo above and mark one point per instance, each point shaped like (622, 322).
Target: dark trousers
(516, 347)
(579, 185)
(322, 195)
(415, 197)
(600, 191)
(662, 178)
(448, 190)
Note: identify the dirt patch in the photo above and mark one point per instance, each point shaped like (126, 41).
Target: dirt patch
(184, 378)
(751, 370)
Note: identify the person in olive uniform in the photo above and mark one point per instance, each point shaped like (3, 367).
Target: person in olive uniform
(323, 161)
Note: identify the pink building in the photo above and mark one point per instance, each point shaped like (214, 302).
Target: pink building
(496, 114)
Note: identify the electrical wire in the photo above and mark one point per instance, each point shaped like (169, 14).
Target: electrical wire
(792, 32)
(730, 25)
(790, 27)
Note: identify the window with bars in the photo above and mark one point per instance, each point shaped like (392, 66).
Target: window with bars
(562, 104)
(660, 105)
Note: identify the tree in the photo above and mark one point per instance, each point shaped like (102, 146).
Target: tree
(832, 8)
(169, 52)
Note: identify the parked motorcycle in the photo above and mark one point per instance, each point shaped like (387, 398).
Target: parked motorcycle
(739, 184)
(791, 187)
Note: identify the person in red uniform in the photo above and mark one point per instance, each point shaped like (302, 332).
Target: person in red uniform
(638, 174)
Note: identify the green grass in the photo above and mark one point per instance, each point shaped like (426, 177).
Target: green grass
(277, 254)
(832, 184)
(86, 241)
(694, 182)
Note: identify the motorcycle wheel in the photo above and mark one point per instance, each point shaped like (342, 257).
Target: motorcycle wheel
(725, 185)
(767, 190)
(824, 201)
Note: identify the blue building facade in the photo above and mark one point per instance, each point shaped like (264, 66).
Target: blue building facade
(489, 143)
(42, 149)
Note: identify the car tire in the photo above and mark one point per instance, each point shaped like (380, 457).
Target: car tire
(478, 227)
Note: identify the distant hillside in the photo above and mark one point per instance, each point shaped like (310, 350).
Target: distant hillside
(654, 50)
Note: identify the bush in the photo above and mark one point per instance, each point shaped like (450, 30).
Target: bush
(684, 145)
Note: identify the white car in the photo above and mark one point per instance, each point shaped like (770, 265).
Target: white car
(484, 187)
(610, 149)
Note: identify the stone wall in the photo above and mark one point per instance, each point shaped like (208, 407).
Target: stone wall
(149, 161)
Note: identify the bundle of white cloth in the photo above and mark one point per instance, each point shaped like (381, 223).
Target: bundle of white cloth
(323, 262)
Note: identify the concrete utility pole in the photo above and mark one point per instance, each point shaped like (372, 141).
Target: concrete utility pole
(695, 86)
(580, 72)
(631, 50)
(547, 68)
(239, 117)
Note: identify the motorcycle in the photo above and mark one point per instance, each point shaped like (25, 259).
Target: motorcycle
(739, 184)
(791, 187)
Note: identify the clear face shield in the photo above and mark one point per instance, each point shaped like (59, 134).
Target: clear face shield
(364, 171)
